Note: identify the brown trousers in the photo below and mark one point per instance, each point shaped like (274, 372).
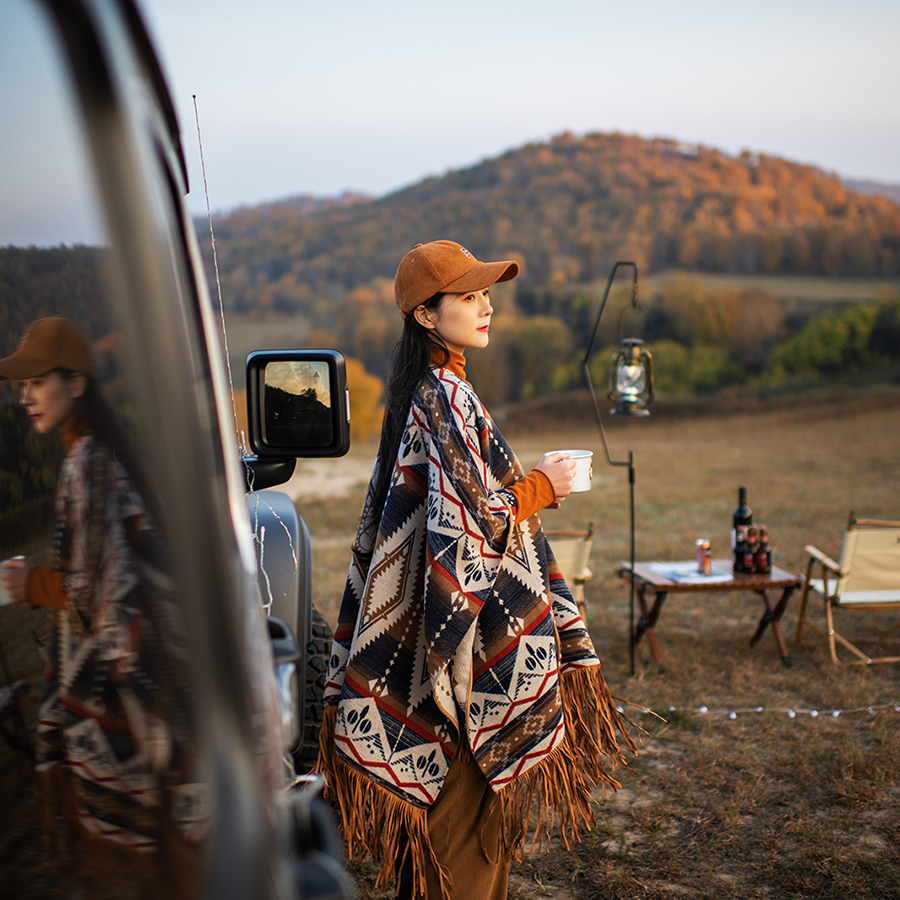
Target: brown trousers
(464, 826)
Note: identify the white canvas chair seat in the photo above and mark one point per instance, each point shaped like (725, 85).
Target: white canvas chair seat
(572, 550)
(855, 598)
(866, 578)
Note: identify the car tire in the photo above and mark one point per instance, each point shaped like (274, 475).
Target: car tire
(317, 655)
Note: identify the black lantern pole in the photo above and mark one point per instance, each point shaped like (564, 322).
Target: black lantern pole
(626, 408)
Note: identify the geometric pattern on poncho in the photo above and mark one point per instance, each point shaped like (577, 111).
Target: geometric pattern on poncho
(114, 709)
(453, 614)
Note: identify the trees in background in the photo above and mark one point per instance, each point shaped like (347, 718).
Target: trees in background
(702, 338)
(366, 401)
(864, 336)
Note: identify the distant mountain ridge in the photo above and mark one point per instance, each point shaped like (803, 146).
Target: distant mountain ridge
(567, 208)
(875, 188)
(302, 204)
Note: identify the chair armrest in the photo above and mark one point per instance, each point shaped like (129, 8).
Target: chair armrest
(826, 561)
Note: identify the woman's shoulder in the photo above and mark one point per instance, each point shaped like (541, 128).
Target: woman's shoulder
(443, 379)
(83, 453)
(442, 387)
(78, 451)
(75, 471)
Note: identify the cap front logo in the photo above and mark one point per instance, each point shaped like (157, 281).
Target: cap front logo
(466, 252)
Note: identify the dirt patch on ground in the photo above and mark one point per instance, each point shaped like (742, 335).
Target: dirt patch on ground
(323, 479)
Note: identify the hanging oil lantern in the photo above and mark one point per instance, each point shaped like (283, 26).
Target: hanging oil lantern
(631, 379)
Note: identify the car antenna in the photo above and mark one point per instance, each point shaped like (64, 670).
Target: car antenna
(239, 432)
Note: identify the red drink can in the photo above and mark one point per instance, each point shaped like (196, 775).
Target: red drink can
(704, 560)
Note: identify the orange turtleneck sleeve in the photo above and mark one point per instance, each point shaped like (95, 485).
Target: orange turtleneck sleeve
(534, 491)
(45, 588)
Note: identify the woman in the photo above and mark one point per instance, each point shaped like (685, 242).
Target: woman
(462, 683)
(113, 744)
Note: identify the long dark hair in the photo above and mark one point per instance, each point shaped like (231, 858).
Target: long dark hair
(96, 416)
(412, 358)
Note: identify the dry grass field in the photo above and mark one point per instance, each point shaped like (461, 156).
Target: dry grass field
(811, 288)
(762, 805)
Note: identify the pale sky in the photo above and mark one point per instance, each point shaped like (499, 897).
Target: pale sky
(302, 97)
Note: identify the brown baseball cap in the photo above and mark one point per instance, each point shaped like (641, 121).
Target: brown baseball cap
(445, 267)
(51, 343)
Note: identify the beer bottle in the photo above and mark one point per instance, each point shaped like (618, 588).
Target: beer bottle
(763, 559)
(751, 543)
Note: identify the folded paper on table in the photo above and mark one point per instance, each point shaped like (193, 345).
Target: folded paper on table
(686, 573)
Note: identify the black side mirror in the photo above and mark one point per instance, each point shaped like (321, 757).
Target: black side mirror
(298, 404)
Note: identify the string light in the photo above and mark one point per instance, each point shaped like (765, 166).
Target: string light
(789, 711)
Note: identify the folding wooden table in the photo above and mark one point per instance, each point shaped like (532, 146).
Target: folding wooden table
(650, 577)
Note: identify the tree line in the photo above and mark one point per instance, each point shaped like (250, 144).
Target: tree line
(702, 338)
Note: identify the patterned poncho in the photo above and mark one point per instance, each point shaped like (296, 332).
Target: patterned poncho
(114, 719)
(456, 627)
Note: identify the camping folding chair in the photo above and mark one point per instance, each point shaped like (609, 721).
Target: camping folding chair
(572, 549)
(866, 578)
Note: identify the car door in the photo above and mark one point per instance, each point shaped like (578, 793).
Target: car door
(93, 228)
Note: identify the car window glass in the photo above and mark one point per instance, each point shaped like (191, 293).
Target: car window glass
(76, 503)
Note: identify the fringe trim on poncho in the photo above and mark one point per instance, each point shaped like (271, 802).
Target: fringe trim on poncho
(375, 821)
(107, 870)
(554, 794)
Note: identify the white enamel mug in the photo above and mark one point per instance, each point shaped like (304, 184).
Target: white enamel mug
(584, 470)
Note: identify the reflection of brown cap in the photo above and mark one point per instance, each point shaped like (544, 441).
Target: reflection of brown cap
(51, 343)
(445, 267)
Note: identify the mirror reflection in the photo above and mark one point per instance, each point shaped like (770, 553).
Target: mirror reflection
(298, 404)
(100, 766)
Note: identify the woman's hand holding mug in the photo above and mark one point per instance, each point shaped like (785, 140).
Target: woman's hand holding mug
(14, 574)
(560, 469)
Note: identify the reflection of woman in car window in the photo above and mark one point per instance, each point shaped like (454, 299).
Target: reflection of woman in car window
(113, 732)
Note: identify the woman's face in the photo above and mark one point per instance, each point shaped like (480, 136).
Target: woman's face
(461, 320)
(50, 400)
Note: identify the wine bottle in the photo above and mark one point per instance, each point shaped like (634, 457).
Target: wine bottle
(742, 515)
(739, 547)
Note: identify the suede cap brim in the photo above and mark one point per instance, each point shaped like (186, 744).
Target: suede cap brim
(483, 276)
(17, 368)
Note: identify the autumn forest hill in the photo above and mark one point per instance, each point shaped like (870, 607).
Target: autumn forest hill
(567, 209)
